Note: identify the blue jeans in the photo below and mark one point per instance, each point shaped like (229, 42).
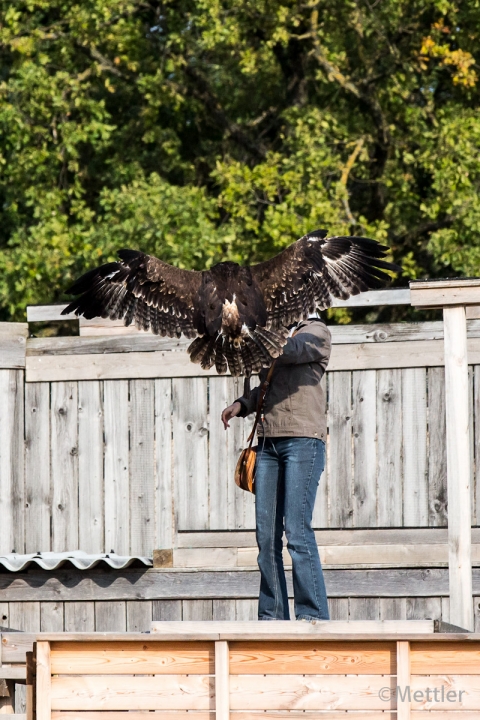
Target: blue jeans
(286, 481)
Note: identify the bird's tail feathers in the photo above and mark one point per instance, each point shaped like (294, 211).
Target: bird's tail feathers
(258, 349)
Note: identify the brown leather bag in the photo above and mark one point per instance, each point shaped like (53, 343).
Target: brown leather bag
(246, 464)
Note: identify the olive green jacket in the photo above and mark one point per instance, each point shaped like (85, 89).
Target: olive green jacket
(295, 401)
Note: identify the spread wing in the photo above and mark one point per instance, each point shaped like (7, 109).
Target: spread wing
(315, 269)
(140, 289)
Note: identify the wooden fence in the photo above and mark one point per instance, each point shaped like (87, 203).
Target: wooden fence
(124, 464)
(281, 670)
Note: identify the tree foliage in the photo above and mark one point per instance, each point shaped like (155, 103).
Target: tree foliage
(202, 130)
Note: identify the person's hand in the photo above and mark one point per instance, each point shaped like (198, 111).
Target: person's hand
(230, 412)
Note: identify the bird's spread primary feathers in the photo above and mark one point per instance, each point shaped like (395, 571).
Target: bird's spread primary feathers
(239, 316)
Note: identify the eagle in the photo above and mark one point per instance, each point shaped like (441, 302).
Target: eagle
(238, 316)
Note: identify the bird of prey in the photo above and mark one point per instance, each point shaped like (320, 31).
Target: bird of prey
(239, 316)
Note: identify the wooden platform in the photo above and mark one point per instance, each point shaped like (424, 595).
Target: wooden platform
(248, 671)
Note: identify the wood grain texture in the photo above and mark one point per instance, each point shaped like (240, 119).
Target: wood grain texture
(51, 617)
(403, 679)
(165, 527)
(190, 431)
(117, 515)
(79, 616)
(414, 432)
(468, 685)
(140, 715)
(64, 465)
(458, 466)
(110, 616)
(91, 505)
(38, 498)
(297, 692)
(12, 499)
(389, 452)
(445, 658)
(340, 460)
(142, 467)
(222, 681)
(139, 615)
(44, 681)
(168, 692)
(364, 426)
(437, 455)
(133, 658)
(319, 658)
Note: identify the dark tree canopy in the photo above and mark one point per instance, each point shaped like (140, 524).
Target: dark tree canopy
(201, 130)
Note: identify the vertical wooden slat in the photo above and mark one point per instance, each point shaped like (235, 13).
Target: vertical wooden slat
(403, 680)
(437, 455)
(476, 444)
(320, 512)
(64, 458)
(364, 609)
(364, 426)
(197, 609)
(79, 616)
(24, 616)
(44, 682)
(190, 432)
(163, 451)
(224, 610)
(421, 608)
(246, 609)
(222, 681)
(37, 467)
(51, 617)
(167, 610)
(458, 466)
(393, 609)
(338, 608)
(414, 417)
(340, 461)
(139, 615)
(12, 529)
(244, 502)
(110, 616)
(220, 446)
(90, 467)
(117, 499)
(389, 449)
(142, 467)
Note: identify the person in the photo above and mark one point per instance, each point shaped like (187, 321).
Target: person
(290, 461)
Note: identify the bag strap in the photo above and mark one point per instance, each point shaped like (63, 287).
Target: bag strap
(261, 401)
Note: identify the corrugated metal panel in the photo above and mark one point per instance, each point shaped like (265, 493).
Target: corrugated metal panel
(77, 558)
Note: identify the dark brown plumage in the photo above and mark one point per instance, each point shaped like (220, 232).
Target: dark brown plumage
(239, 316)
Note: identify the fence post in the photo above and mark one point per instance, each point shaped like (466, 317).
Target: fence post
(222, 680)
(458, 467)
(453, 296)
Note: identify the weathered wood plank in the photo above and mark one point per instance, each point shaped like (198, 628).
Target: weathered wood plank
(139, 616)
(79, 616)
(104, 344)
(364, 427)
(11, 461)
(190, 431)
(444, 293)
(340, 459)
(12, 348)
(364, 608)
(91, 507)
(197, 610)
(352, 536)
(219, 446)
(142, 467)
(64, 465)
(110, 616)
(224, 610)
(166, 610)
(437, 457)
(389, 451)
(15, 646)
(117, 515)
(295, 692)
(37, 468)
(476, 445)
(127, 658)
(165, 527)
(174, 692)
(458, 466)
(51, 617)
(414, 431)
(330, 658)
(47, 313)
